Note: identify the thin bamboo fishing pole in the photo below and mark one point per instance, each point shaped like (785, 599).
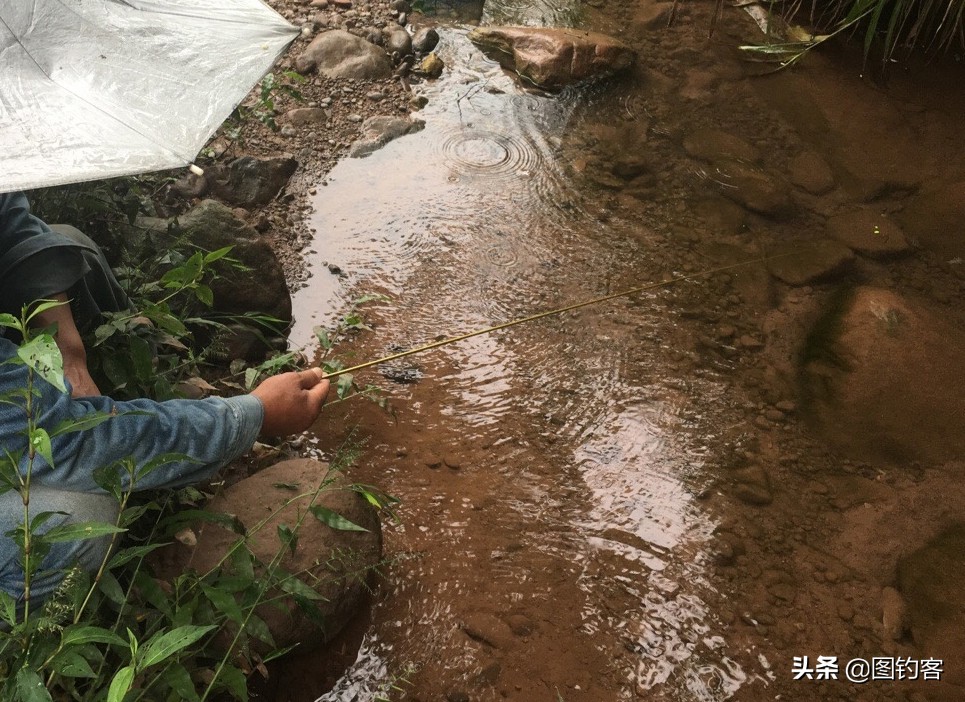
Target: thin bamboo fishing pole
(549, 313)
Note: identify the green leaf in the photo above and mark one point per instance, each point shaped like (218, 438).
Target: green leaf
(256, 627)
(294, 586)
(288, 537)
(343, 385)
(43, 357)
(334, 519)
(165, 644)
(81, 634)
(323, 338)
(71, 664)
(8, 608)
(224, 602)
(179, 680)
(8, 320)
(143, 358)
(80, 531)
(30, 688)
(88, 421)
(103, 333)
(234, 681)
(129, 554)
(40, 443)
(215, 255)
(204, 294)
(111, 588)
(121, 684)
(251, 377)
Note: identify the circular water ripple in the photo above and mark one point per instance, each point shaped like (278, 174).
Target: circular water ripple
(481, 153)
(502, 255)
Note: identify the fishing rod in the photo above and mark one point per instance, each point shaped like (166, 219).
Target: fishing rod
(550, 313)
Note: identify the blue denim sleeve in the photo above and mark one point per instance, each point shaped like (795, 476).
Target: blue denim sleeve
(210, 432)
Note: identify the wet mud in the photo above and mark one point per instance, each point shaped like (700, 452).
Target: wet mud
(648, 499)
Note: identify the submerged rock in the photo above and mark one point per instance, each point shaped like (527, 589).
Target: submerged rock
(714, 145)
(339, 54)
(868, 232)
(335, 563)
(936, 217)
(754, 189)
(932, 582)
(810, 172)
(380, 130)
(883, 378)
(804, 262)
(553, 58)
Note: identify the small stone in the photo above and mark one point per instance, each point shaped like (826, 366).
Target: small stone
(894, 614)
(425, 39)
(452, 461)
(432, 66)
(774, 415)
(786, 406)
(750, 343)
(810, 172)
(434, 462)
(354, 118)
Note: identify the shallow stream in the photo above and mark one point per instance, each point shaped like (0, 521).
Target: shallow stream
(559, 535)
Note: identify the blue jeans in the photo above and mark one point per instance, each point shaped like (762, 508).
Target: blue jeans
(77, 507)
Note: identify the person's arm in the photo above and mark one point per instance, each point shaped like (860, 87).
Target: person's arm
(71, 347)
(211, 432)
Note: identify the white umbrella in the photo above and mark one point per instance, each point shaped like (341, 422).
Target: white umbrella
(96, 88)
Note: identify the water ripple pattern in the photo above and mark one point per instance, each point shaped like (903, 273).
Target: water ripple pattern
(481, 153)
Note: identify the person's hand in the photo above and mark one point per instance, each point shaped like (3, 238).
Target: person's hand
(292, 401)
(75, 370)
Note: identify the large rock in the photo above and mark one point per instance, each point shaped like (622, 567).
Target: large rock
(715, 145)
(380, 130)
(339, 54)
(250, 182)
(552, 58)
(932, 583)
(335, 563)
(804, 262)
(936, 218)
(754, 189)
(883, 379)
(868, 231)
(211, 225)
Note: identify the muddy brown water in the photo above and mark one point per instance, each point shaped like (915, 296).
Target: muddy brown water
(568, 527)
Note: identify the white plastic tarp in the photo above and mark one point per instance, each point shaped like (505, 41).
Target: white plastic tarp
(96, 88)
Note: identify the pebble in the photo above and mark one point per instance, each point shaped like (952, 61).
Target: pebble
(775, 415)
(354, 117)
(786, 406)
(452, 462)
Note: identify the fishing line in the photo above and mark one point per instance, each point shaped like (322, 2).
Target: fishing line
(550, 313)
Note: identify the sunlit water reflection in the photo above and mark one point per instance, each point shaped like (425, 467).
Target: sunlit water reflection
(471, 222)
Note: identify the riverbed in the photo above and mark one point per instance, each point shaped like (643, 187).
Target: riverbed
(629, 500)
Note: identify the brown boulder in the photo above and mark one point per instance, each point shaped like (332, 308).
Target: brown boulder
(804, 262)
(339, 54)
(553, 58)
(335, 563)
(868, 232)
(883, 379)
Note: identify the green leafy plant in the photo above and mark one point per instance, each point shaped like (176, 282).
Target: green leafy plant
(120, 634)
(264, 103)
(351, 323)
(886, 27)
